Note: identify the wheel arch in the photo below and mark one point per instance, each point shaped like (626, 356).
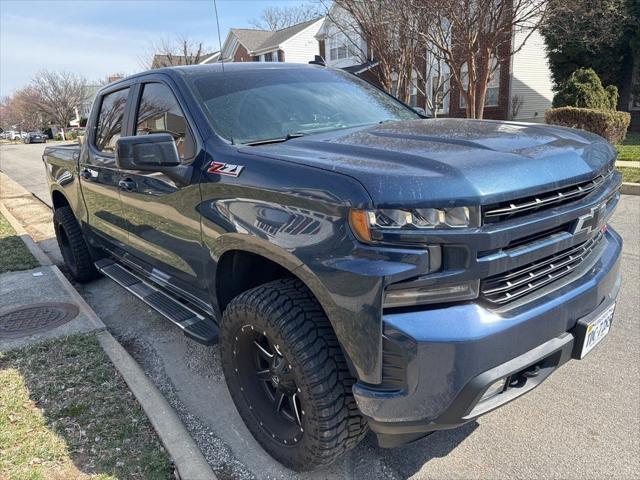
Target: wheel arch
(283, 264)
(59, 199)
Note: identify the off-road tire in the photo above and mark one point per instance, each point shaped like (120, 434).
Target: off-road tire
(73, 246)
(286, 311)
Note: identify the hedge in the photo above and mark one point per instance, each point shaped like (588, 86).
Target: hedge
(609, 124)
(583, 89)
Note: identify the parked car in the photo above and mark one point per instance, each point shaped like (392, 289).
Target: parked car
(362, 267)
(13, 135)
(35, 137)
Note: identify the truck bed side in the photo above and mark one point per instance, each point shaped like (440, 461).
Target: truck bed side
(61, 163)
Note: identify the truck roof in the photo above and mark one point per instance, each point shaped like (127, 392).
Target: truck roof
(217, 68)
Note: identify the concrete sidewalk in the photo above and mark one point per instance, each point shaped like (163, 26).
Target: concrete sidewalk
(627, 163)
(41, 304)
(44, 295)
(23, 205)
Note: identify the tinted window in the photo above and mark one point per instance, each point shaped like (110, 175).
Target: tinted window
(110, 120)
(252, 105)
(159, 112)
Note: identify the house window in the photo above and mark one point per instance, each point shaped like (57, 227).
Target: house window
(269, 57)
(413, 97)
(492, 97)
(341, 47)
(439, 92)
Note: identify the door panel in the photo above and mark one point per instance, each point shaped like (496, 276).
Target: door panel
(99, 176)
(161, 212)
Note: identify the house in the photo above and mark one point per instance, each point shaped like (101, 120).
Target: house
(342, 45)
(295, 44)
(520, 87)
(170, 60)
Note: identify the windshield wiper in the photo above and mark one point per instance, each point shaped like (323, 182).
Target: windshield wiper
(265, 141)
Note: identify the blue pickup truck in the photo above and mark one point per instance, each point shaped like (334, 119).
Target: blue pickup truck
(361, 266)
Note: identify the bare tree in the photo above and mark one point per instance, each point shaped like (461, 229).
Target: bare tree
(172, 52)
(390, 30)
(276, 18)
(56, 95)
(473, 37)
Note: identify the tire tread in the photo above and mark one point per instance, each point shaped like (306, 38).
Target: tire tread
(291, 308)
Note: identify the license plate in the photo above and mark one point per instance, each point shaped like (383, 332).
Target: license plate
(597, 330)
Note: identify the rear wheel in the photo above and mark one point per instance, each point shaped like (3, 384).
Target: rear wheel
(288, 377)
(72, 245)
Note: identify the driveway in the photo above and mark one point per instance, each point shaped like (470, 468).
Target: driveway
(581, 423)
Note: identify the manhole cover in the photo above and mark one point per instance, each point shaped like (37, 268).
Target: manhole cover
(39, 317)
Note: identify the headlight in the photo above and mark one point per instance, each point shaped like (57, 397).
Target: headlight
(364, 223)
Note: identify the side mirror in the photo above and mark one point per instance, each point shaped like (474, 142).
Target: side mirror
(420, 111)
(153, 152)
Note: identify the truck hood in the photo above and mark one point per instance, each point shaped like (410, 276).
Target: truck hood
(439, 162)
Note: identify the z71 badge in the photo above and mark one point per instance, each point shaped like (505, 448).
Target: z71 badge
(225, 169)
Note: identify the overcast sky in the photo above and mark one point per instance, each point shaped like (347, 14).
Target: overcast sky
(95, 38)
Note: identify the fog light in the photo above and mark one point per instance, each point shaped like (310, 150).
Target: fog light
(494, 389)
(436, 293)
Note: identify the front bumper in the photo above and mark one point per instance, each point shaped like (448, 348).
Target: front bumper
(453, 354)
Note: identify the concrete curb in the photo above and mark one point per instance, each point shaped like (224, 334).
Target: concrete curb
(628, 188)
(627, 163)
(183, 450)
(32, 246)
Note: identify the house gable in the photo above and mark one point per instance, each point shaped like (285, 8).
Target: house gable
(295, 44)
(302, 47)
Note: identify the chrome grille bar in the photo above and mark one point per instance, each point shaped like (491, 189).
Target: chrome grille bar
(506, 210)
(508, 286)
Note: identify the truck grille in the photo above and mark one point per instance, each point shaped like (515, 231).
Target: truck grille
(505, 287)
(523, 206)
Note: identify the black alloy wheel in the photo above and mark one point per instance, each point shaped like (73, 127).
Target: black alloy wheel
(288, 376)
(269, 385)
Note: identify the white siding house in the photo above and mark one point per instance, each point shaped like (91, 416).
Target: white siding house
(531, 82)
(295, 44)
(303, 46)
(344, 45)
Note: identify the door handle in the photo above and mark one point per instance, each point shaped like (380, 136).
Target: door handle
(127, 184)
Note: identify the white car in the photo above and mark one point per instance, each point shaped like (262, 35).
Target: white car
(13, 135)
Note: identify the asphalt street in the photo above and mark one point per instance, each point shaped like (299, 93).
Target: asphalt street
(24, 164)
(582, 423)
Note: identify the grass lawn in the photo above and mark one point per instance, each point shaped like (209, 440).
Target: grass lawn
(13, 253)
(65, 413)
(629, 149)
(630, 174)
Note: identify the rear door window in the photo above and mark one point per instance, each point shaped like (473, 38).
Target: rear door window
(110, 120)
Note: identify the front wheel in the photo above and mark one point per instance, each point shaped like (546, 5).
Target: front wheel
(72, 245)
(288, 377)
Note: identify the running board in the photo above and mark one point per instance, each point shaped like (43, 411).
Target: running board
(193, 325)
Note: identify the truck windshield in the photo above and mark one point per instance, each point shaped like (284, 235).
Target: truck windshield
(258, 105)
